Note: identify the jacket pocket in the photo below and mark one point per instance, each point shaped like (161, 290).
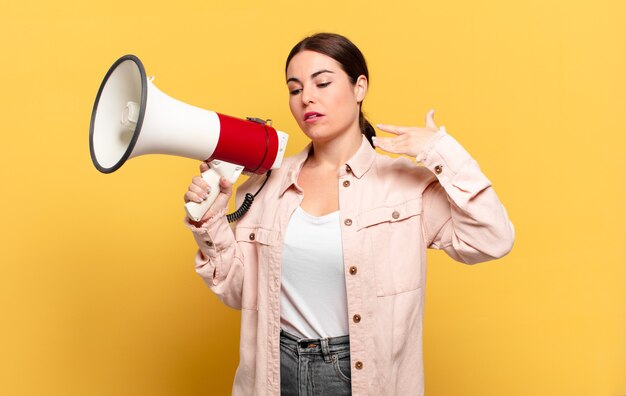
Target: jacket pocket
(256, 244)
(393, 233)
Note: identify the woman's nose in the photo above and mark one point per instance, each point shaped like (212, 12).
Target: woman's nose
(307, 96)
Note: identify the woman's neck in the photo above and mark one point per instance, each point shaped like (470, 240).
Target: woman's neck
(333, 154)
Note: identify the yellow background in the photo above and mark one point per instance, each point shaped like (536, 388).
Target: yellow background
(98, 295)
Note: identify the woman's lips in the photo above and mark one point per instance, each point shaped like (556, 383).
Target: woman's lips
(312, 116)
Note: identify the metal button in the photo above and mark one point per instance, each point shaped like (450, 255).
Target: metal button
(353, 270)
(395, 214)
(348, 222)
(438, 169)
(252, 236)
(356, 318)
(209, 243)
(358, 365)
(348, 169)
(346, 183)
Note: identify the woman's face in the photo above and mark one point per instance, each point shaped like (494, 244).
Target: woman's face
(322, 98)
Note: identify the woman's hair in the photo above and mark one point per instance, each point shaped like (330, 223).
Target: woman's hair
(347, 55)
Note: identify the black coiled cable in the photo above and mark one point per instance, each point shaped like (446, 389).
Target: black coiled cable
(247, 203)
(236, 215)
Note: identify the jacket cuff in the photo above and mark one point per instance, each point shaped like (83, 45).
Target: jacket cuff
(456, 170)
(208, 235)
(432, 143)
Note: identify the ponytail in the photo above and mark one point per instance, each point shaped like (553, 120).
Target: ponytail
(366, 128)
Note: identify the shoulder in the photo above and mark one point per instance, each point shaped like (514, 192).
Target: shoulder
(273, 182)
(401, 171)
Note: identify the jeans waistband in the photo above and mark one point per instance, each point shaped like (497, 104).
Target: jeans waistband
(323, 346)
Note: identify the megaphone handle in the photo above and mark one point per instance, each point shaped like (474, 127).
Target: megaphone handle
(195, 210)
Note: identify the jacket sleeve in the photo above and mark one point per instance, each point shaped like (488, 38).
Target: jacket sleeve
(218, 259)
(461, 212)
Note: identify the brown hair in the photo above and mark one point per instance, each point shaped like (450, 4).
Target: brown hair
(347, 55)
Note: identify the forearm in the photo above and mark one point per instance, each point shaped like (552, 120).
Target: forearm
(218, 259)
(463, 213)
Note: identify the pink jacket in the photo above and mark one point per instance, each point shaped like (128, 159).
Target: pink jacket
(391, 211)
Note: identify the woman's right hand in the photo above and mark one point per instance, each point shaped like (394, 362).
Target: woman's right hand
(198, 191)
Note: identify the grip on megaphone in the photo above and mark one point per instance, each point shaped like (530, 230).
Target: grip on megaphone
(217, 169)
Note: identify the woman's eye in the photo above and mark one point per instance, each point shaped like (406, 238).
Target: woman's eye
(323, 85)
(295, 91)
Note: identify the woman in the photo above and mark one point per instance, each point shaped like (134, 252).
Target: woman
(328, 266)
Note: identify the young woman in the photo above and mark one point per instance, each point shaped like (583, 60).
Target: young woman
(328, 266)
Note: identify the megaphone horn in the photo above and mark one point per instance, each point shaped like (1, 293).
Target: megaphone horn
(132, 117)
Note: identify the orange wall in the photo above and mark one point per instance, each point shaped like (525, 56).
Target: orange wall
(98, 294)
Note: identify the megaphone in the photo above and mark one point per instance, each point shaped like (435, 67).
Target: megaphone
(132, 117)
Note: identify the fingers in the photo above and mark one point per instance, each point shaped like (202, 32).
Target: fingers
(395, 129)
(391, 145)
(197, 197)
(430, 122)
(198, 190)
(401, 130)
(226, 187)
(408, 140)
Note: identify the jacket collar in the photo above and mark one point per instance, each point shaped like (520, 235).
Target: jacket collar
(359, 164)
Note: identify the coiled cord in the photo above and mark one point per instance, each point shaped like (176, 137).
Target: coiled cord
(247, 203)
(236, 215)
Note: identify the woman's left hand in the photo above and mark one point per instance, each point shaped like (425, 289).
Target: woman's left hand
(408, 140)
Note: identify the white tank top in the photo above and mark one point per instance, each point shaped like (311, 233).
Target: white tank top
(313, 301)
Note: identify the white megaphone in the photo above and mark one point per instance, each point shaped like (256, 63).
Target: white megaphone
(132, 117)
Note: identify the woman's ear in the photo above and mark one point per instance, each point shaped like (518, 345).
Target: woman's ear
(360, 88)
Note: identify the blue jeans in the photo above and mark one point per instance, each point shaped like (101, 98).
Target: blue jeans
(311, 367)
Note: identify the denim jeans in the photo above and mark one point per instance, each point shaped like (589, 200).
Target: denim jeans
(312, 367)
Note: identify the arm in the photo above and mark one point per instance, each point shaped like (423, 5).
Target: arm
(218, 259)
(462, 213)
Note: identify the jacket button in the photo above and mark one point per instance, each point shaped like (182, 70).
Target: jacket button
(348, 169)
(358, 365)
(438, 169)
(395, 214)
(251, 236)
(353, 270)
(356, 318)
(346, 183)
(348, 222)
(209, 243)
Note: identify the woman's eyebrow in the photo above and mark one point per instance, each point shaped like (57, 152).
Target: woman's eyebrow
(320, 72)
(317, 73)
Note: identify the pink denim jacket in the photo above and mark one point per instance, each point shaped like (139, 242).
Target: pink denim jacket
(391, 210)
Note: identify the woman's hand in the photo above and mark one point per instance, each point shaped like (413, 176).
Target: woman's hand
(199, 190)
(408, 140)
